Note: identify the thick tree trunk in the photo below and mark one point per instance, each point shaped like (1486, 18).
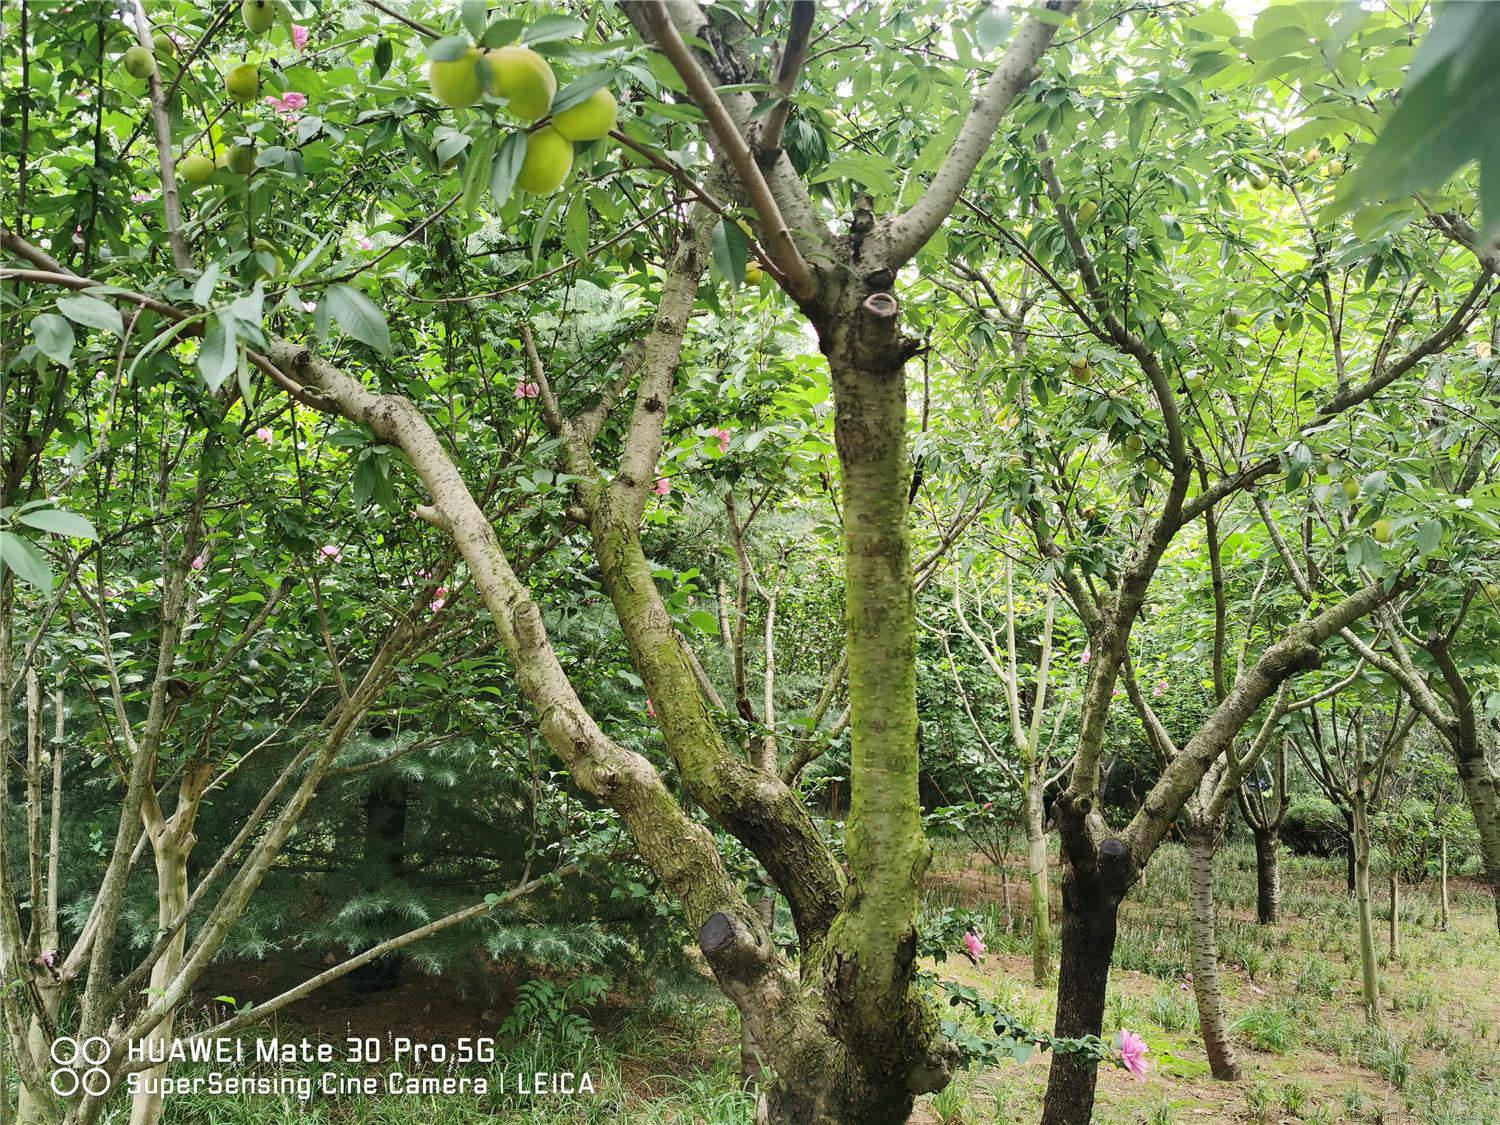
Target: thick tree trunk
(1368, 966)
(752, 1059)
(1205, 955)
(28, 1110)
(1041, 885)
(1089, 918)
(1482, 789)
(1267, 876)
(171, 901)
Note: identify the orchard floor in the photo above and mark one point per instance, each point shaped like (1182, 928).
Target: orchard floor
(671, 1056)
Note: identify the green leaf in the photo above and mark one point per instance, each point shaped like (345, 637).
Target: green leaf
(992, 27)
(359, 317)
(507, 166)
(383, 56)
(730, 251)
(703, 621)
(203, 288)
(580, 88)
(576, 227)
(216, 356)
(29, 564)
(92, 313)
(55, 521)
(54, 337)
(477, 170)
(448, 49)
(552, 27)
(472, 15)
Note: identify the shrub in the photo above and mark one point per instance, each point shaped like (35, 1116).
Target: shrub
(1314, 826)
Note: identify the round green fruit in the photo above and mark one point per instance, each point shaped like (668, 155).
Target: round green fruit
(1351, 489)
(1087, 210)
(259, 15)
(590, 119)
(1133, 443)
(1383, 531)
(1259, 181)
(240, 159)
(455, 82)
(138, 62)
(1492, 591)
(1078, 361)
(196, 169)
(1334, 167)
(524, 79)
(753, 274)
(1281, 320)
(1232, 318)
(242, 83)
(549, 157)
(166, 46)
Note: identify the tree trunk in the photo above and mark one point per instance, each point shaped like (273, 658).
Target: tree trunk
(752, 1061)
(1361, 841)
(1350, 851)
(1041, 888)
(28, 1110)
(1443, 882)
(171, 901)
(1205, 955)
(1482, 789)
(1267, 876)
(1089, 919)
(1395, 931)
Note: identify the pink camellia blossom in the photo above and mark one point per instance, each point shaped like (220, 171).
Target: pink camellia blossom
(264, 434)
(289, 105)
(663, 487)
(198, 562)
(365, 243)
(650, 710)
(330, 553)
(441, 592)
(309, 306)
(1160, 689)
(1133, 1054)
(1088, 654)
(527, 390)
(974, 944)
(437, 604)
(299, 36)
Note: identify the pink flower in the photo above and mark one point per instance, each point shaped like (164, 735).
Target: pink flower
(650, 710)
(198, 562)
(48, 958)
(723, 436)
(437, 604)
(527, 390)
(264, 434)
(299, 36)
(974, 944)
(1088, 654)
(1160, 689)
(442, 592)
(288, 105)
(366, 244)
(309, 306)
(330, 553)
(1133, 1054)
(663, 487)
(140, 197)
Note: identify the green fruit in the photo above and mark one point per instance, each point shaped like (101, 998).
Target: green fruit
(1232, 318)
(590, 119)
(259, 15)
(266, 257)
(196, 169)
(1133, 443)
(241, 159)
(753, 274)
(1015, 461)
(1281, 320)
(1087, 210)
(1259, 181)
(1383, 531)
(243, 83)
(524, 79)
(138, 62)
(549, 157)
(1334, 167)
(455, 82)
(1078, 361)
(1088, 511)
(166, 46)
(1312, 156)
(1492, 591)
(1351, 489)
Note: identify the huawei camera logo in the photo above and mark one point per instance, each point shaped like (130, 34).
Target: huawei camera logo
(67, 1052)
